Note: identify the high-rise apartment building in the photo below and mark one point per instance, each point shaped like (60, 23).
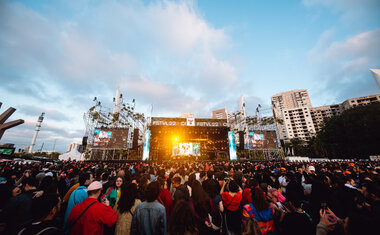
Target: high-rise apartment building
(219, 114)
(293, 107)
(73, 146)
(319, 114)
(301, 120)
(351, 103)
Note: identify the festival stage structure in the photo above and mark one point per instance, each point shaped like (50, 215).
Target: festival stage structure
(256, 136)
(188, 138)
(122, 134)
(113, 134)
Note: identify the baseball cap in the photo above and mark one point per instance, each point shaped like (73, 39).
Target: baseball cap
(311, 168)
(95, 186)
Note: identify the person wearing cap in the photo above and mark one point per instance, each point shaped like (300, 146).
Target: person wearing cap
(90, 216)
(78, 195)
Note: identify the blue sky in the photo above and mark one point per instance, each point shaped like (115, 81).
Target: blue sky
(180, 56)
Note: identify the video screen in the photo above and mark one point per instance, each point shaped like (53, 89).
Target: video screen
(101, 137)
(187, 149)
(264, 139)
(110, 138)
(232, 145)
(146, 145)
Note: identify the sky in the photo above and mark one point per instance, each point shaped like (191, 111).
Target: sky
(180, 56)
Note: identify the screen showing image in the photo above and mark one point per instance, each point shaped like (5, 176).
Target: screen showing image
(146, 145)
(232, 145)
(102, 137)
(186, 149)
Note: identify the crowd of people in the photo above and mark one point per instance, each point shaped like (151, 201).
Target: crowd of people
(176, 198)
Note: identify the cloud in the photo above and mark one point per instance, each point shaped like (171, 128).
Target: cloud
(109, 44)
(22, 136)
(162, 53)
(343, 66)
(352, 11)
(52, 114)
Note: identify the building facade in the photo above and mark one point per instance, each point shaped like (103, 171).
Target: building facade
(319, 114)
(293, 108)
(301, 120)
(73, 146)
(219, 114)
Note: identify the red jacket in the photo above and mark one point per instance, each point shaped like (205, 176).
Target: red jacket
(165, 198)
(231, 203)
(93, 220)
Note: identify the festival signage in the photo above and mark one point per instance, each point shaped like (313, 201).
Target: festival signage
(6, 151)
(189, 122)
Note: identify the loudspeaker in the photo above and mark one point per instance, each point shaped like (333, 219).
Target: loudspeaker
(135, 140)
(241, 140)
(84, 143)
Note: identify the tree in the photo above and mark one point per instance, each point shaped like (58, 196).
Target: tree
(353, 134)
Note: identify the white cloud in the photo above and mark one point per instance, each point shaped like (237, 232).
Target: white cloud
(162, 52)
(343, 66)
(353, 11)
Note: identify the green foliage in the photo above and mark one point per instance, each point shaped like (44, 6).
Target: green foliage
(353, 134)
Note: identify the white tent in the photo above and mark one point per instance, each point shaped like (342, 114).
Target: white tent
(376, 76)
(73, 155)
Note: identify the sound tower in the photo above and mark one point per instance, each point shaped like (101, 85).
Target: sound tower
(241, 140)
(135, 140)
(84, 144)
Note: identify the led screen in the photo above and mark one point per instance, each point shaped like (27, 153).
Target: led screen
(186, 149)
(232, 145)
(110, 138)
(146, 145)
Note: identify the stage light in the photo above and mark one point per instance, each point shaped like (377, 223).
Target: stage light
(175, 139)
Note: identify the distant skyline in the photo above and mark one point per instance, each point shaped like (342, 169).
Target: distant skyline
(180, 56)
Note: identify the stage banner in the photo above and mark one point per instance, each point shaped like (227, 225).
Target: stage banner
(232, 145)
(146, 145)
(190, 121)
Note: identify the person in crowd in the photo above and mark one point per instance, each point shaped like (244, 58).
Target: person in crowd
(212, 188)
(165, 197)
(181, 193)
(251, 227)
(150, 216)
(261, 211)
(350, 188)
(142, 185)
(297, 221)
(126, 208)
(201, 205)
(78, 195)
(373, 195)
(182, 220)
(44, 210)
(113, 193)
(230, 206)
(283, 180)
(176, 181)
(106, 181)
(90, 216)
(18, 209)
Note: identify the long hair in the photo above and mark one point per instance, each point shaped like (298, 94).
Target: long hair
(200, 199)
(259, 200)
(251, 227)
(182, 219)
(114, 183)
(127, 198)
